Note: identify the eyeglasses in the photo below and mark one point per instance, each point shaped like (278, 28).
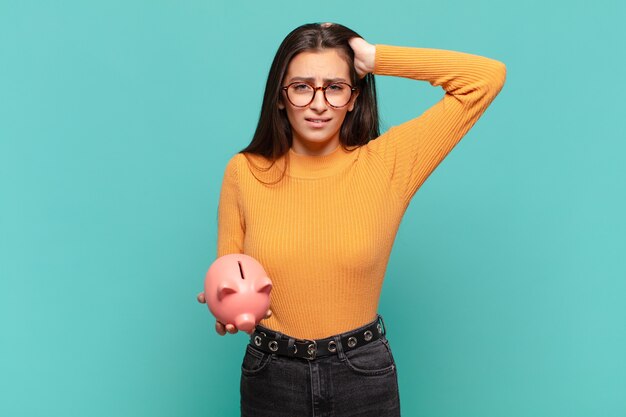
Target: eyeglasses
(301, 94)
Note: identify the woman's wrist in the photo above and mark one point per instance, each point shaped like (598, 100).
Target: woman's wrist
(371, 58)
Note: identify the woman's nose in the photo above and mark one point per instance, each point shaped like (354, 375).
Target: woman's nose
(319, 102)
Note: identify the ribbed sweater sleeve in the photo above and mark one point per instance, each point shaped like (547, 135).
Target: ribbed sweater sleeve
(411, 151)
(231, 225)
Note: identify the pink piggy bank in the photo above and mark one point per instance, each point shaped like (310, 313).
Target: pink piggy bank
(237, 291)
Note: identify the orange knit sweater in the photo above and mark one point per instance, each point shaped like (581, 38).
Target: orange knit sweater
(324, 233)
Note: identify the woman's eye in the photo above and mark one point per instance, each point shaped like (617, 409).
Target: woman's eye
(335, 87)
(301, 87)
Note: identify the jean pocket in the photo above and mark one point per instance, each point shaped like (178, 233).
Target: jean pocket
(254, 361)
(372, 359)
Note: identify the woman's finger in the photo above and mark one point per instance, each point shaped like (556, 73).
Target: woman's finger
(231, 329)
(219, 328)
(201, 298)
(268, 314)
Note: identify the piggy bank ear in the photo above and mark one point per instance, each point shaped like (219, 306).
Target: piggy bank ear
(263, 285)
(225, 289)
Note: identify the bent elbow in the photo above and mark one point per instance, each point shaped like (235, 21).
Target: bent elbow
(499, 75)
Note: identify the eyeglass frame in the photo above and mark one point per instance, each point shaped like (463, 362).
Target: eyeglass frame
(316, 89)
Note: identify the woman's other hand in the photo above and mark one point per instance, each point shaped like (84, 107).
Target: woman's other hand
(220, 328)
(364, 56)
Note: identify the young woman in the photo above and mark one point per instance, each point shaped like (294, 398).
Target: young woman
(317, 198)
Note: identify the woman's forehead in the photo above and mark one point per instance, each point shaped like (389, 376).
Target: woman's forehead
(322, 65)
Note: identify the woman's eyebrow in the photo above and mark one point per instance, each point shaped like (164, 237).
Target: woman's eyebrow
(312, 80)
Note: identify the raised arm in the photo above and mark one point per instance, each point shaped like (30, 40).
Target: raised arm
(411, 151)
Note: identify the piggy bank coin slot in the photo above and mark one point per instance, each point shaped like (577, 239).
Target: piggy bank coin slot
(240, 270)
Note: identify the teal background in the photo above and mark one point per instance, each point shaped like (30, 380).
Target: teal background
(505, 292)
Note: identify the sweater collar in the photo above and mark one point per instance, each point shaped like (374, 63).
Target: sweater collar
(308, 166)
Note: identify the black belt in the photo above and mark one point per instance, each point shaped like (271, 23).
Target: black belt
(274, 342)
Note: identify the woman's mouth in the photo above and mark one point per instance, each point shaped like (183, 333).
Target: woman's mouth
(314, 122)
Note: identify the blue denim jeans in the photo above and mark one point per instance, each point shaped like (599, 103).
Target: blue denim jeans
(360, 382)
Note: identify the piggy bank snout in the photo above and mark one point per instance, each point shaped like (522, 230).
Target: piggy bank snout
(245, 322)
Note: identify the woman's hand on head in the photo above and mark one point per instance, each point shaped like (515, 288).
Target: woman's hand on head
(220, 328)
(364, 56)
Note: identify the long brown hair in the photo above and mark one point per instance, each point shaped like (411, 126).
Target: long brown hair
(273, 137)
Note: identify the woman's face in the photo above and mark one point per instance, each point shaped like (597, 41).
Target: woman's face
(316, 127)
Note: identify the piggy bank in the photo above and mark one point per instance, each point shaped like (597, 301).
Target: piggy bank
(237, 291)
